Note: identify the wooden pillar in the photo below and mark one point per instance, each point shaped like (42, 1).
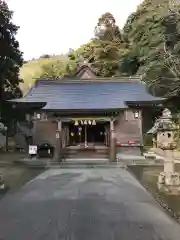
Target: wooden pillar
(85, 141)
(65, 136)
(68, 139)
(141, 131)
(58, 147)
(112, 142)
(34, 130)
(107, 135)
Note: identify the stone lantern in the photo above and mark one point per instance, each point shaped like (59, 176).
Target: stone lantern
(165, 129)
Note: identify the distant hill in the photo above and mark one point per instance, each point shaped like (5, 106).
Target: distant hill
(32, 69)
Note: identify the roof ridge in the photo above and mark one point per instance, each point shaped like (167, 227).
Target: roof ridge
(96, 80)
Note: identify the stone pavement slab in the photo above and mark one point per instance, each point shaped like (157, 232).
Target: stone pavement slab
(84, 204)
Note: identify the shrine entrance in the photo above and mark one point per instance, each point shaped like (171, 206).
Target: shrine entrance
(87, 134)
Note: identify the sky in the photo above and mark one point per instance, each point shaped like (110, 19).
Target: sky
(55, 26)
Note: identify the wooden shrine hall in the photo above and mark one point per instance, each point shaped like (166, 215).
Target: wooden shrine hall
(87, 114)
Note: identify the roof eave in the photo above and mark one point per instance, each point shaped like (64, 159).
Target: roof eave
(84, 110)
(22, 103)
(145, 103)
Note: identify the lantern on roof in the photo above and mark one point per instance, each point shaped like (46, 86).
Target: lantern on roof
(85, 122)
(76, 123)
(89, 122)
(38, 116)
(136, 114)
(93, 122)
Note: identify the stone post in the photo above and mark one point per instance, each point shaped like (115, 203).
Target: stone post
(112, 142)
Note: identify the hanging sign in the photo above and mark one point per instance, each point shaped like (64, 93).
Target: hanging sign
(57, 135)
(76, 123)
(93, 122)
(32, 150)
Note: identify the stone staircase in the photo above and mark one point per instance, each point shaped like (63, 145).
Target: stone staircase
(88, 153)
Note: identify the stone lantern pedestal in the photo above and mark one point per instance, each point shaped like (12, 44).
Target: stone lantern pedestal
(169, 177)
(165, 129)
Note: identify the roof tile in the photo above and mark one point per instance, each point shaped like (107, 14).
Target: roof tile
(87, 94)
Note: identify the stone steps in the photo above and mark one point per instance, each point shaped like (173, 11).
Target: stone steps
(100, 153)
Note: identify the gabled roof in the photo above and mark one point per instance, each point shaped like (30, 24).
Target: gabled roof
(84, 94)
(84, 71)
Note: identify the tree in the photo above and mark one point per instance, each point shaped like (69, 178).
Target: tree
(10, 62)
(56, 68)
(146, 31)
(10, 56)
(172, 48)
(105, 49)
(107, 30)
(45, 56)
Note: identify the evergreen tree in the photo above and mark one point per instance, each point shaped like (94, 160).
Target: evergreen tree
(153, 32)
(146, 32)
(10, 56)
(105, 49)
(106, 29)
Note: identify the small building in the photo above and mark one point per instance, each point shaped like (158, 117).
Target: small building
(88, 114)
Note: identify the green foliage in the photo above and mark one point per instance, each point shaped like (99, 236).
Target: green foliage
(107, 30)
(58, 67)
(10, 55)
(149, 31)
(105, 49)
(53, 69)
(44, 67)
(177, 131)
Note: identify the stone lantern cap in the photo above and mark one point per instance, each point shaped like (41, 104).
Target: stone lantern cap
(166, 114)
(164, 123)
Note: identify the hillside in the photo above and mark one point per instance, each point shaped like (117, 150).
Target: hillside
(33, 68)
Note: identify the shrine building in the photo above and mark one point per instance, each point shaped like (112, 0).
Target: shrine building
(86, 114)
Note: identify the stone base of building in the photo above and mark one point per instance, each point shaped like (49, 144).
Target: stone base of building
(169, 179)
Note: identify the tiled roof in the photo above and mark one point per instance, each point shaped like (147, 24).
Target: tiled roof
(87, 94)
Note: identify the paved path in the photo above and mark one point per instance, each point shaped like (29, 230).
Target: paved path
(86, 204)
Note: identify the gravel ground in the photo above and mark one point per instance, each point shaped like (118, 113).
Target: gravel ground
(84, 204)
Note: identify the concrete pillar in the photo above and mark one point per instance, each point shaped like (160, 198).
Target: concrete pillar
(58, 147)
(112, 142)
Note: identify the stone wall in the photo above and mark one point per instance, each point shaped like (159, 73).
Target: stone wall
(127, 127)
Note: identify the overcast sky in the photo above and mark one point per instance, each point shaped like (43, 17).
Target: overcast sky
(54, 26)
